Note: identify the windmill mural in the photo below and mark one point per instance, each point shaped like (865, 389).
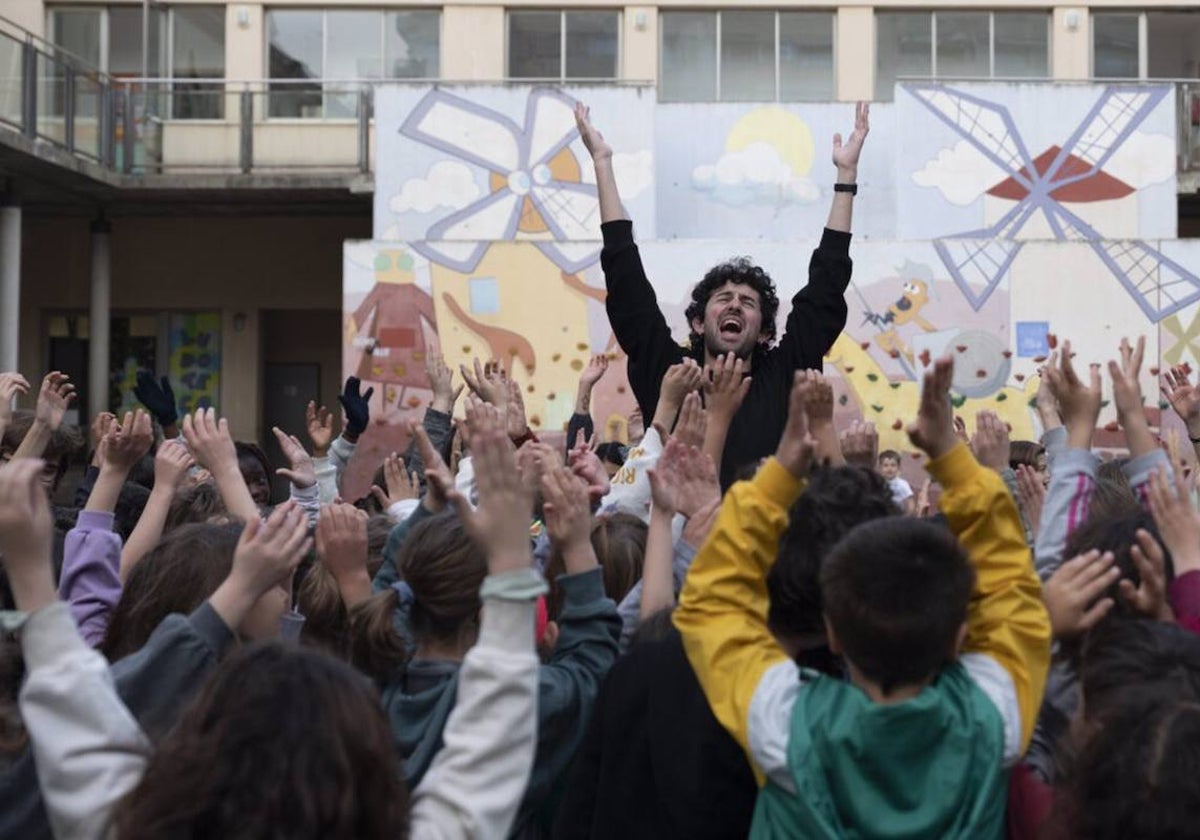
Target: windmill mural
(535, 180)
(1052, 189)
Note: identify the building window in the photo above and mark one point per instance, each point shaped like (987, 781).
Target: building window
(959, 45)
(344, 47)
(1145, 45)
(563, 45)
(189, 41)
(746, 56)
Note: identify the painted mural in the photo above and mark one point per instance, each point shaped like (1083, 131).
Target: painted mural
(990, 217)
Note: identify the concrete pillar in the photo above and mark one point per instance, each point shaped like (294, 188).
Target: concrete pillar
(99, 317)
(10, 285)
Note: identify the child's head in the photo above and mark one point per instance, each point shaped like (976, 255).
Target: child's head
(836, 500)
(895, 593)
(196, 504)
(256, 471)
(64, 444)
(612, 455)
(281, 742)
(444, 568)
(1115, 529)
(619, 541)
(889, 463)
(177, 576)
(1030, 454)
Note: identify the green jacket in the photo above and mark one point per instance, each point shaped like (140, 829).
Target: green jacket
(929, 767)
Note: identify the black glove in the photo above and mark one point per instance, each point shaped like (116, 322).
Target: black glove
(356, 406)
(159, 400)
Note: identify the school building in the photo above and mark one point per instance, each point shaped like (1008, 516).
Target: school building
(215, 191)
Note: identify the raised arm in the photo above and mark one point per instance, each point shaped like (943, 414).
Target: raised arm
(171, 465)
(611, 209)
(210, 443)
(53, 400)
(845, 158)
(747, 677)
(1006, 620)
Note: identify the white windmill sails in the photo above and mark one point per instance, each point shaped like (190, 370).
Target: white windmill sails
(521, 162)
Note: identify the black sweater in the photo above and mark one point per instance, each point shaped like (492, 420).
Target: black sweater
(817, 317)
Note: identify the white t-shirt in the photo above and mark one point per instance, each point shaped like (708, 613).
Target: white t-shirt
(901, 490)
(630, 490)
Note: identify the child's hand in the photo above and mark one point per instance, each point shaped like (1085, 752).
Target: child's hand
(818, 400)
(301, 472)
(693, 421)
(681, 380)
(991, 443)
(401, 484)
(1177, 520)
(724, 386)
(319, 423)
(54, 399)
(1184, 398)
(128, 442)
(1072, 591)
(568, 517)
(26, 532)
(860, 445)
(594, 371)
(1149, 597)
(269, 552)
(1079, 403)
(439, 481)
(209, 440)
(1127, 392)
(500, 524)
(796, 446)
(171, 464)
(933, 431)
(441, 381)
(1031, 491)
(341, 540)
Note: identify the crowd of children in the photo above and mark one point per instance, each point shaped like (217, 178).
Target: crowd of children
(741, 621)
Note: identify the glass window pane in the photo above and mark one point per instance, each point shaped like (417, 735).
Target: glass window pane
(125, 40)
(353, 44)
(1022, 45)
(198, 52)
(78, 31)
(592, 45)
(962, 45)
(1115, 46)
(295, 53)
(748, 56)
(903, 47)
(411, 45)
(1171, 39)
(805, 56)
(535, 45)
(689, 57)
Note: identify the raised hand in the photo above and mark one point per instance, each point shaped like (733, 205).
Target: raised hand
(933, 430)
(127, 442)
(568, 518)
(401, 484)
(1184, 398)
(845, 155)
(441, 380)
(817, 394)
(796, 446)
(595, 370)
(341, 541)
(357, 408)
(1127, 392)
(158, 397)
(991, 443)
(586, 464)
(725, 387)
(860, 444)
(679, 381)
(1047, 403)
(12, 384)
(693, 421)
(26, 532)
(593, 140)
(514, 410)
(266, 556)
(1072, 594)
(101, 423)
(1177, 520)
(1031, 493)
(54, 399)
(439, 480)
(1079, 403)
(300, 471)
(318, 420)
(171, 464)
(485, 382)
(1149, 597)
(500, 524)
(684, 480)
(209, 440)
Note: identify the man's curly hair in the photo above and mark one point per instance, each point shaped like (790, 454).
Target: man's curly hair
(736, 270)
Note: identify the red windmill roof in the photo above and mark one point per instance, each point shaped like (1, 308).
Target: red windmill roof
(1099, 187)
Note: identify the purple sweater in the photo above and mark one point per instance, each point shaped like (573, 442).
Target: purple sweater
(91, 574)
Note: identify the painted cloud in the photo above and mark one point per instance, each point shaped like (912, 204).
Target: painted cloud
(446, 184)
(961, 174)
(754, 175)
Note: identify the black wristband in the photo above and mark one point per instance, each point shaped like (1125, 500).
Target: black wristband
(846, 188)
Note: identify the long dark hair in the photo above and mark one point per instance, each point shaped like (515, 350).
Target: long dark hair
(283, 741)
(177, 576)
